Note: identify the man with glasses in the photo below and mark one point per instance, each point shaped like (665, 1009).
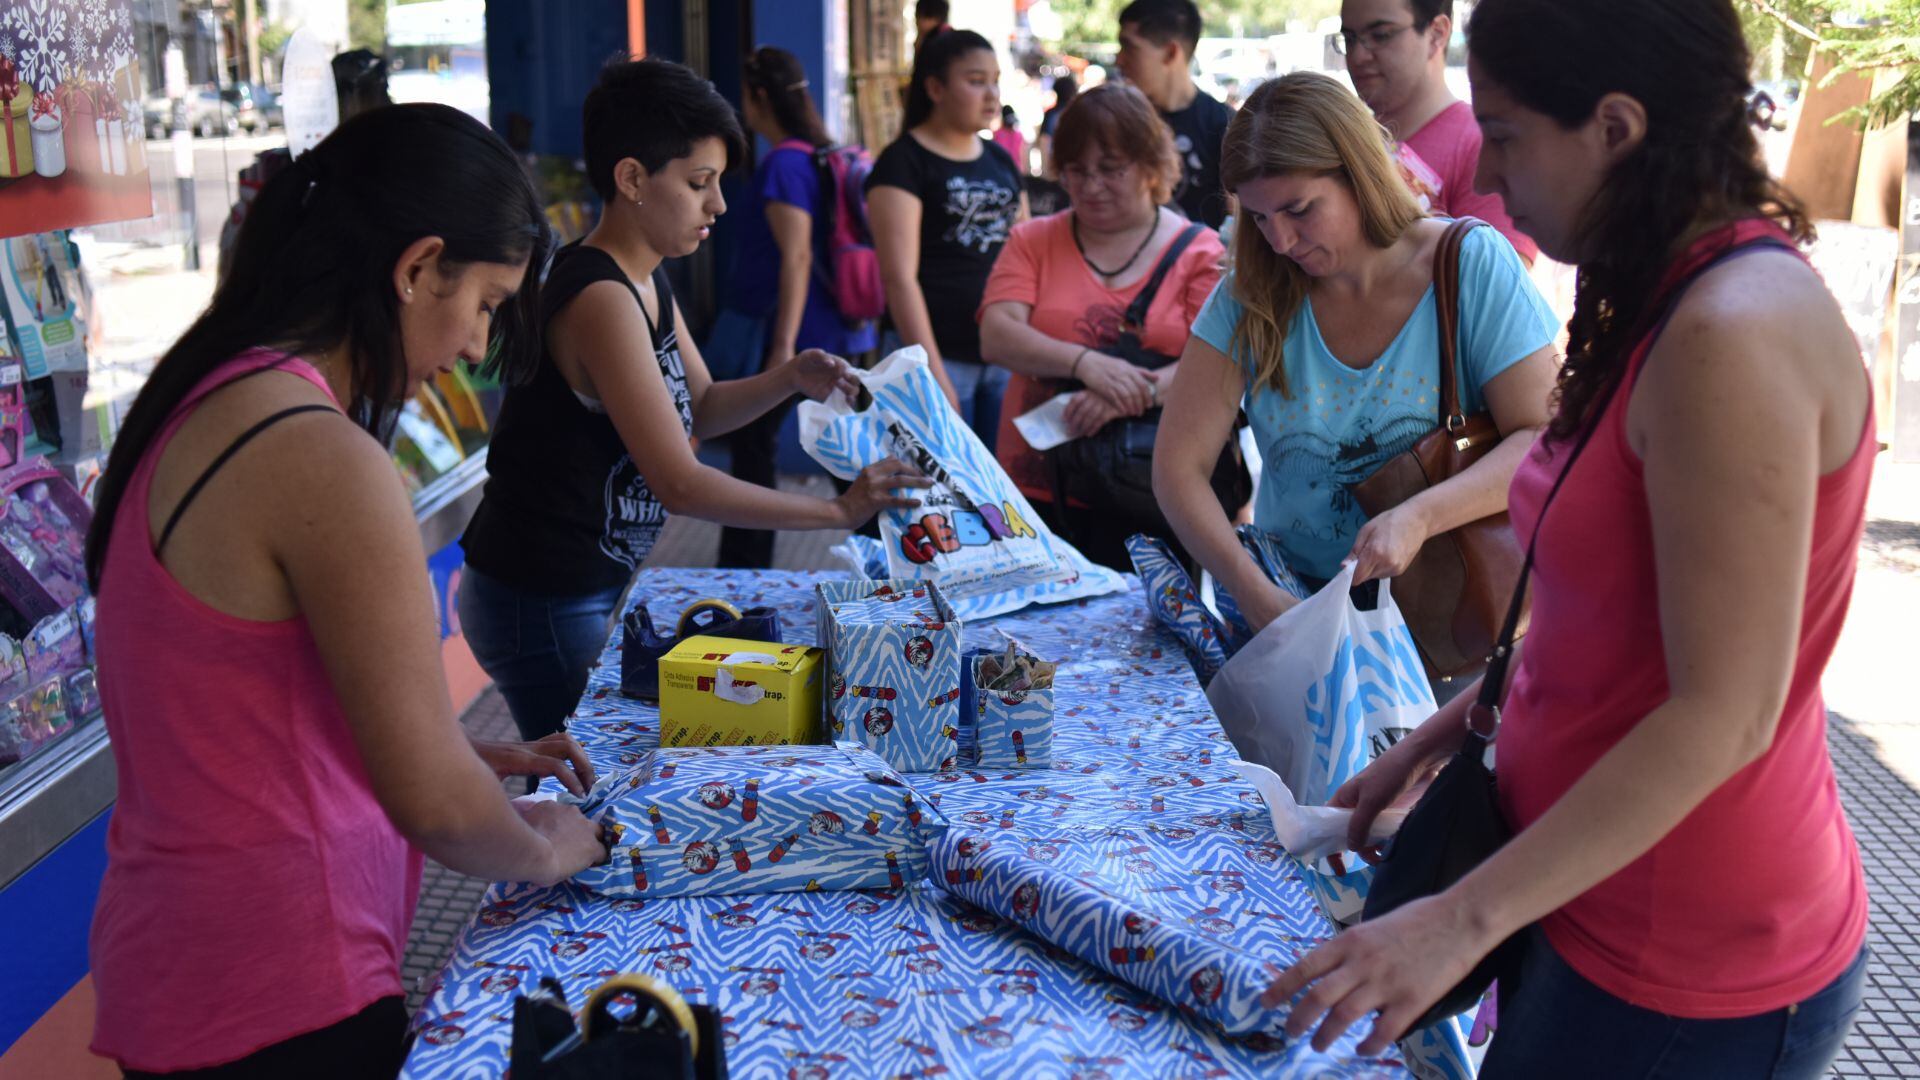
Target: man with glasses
(1397, 56)
(1157, 42)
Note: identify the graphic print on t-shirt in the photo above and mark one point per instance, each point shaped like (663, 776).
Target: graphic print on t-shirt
(1324, 470)
(1100, 326)
(980, 212)
(634, 517)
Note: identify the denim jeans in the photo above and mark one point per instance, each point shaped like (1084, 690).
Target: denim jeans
(537, 649)
(1556, 1023)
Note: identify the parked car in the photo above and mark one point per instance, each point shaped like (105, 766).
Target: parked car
(207, 115)
(256, 105)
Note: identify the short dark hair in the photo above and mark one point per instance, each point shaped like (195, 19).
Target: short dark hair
(932, 9)
(653, 111)
(1161, 21)
(1425, 11)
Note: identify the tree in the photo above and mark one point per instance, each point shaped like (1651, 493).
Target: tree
(1096, 22)
(1864, 36)
(367, 24)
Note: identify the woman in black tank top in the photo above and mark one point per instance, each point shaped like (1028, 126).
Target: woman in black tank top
(592, 454)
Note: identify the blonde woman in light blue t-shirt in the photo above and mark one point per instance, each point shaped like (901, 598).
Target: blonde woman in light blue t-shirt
(1325, 330)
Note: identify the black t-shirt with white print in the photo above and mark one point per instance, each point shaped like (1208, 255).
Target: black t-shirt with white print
(565, 511)
(967, 208)
(1198, 131)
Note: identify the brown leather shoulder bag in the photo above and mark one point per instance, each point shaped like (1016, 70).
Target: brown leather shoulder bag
(1457, 589)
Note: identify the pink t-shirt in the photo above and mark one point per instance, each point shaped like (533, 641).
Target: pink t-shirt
(1041, 267)
(1014, 143)
(1755, 900)
(1450, 145)
(254, 889)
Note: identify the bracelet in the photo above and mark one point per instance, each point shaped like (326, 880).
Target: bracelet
(1073, 371)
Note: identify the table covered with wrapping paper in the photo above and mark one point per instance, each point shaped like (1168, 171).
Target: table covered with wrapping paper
(1142, 804)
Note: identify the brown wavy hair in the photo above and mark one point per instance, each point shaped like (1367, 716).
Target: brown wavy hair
(1120, 121)
(1686, 63)
(1302, 124)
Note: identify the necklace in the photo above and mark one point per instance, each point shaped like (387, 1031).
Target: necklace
(1131, 259)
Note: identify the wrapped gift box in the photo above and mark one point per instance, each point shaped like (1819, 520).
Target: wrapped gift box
(722, 692)
(1010, 727)
(894, 681)
(759, 819)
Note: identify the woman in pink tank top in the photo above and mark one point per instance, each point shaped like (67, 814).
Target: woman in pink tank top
(269, 664)
(1689, 893)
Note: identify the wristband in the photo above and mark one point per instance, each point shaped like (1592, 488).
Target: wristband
(1074, 371)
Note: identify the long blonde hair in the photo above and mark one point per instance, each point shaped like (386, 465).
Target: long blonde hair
(1302, 124)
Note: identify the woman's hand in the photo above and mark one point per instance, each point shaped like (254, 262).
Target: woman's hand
(1396, 778)
(1397, 965)
(873, 491)
(1387, 544)
(1128, 389)
(557, 755)
(577, 843)
(1264, 606)
(818, 374)
(1087, 413)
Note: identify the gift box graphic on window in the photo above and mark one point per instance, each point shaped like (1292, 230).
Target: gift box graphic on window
(758, 819)
(893, 649)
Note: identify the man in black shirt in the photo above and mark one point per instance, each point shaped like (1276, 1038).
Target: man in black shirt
(1157, 41)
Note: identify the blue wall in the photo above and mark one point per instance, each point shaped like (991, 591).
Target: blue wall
(543, 58)
(44, 918)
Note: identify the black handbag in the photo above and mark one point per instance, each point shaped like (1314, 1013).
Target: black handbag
(1111, 471)
(1457, 824)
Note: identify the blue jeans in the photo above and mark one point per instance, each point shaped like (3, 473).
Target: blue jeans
(981, 387)
(1556, 1023)
(537, 649)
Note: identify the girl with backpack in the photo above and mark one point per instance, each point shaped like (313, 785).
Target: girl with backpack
(592, 454)
(779, 300)
(943, 201)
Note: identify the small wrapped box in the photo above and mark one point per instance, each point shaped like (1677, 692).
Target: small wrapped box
(894, 681)
(722, 692)
(1007, 707)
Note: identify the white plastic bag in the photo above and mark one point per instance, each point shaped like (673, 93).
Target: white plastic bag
(1323, 690)
(974, 532)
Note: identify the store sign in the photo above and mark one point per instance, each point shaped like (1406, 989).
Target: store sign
(73, 145)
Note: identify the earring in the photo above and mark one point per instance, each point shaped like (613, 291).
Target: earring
(637, 202)
(409, 293)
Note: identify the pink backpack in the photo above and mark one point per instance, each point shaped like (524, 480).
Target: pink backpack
(852, 270)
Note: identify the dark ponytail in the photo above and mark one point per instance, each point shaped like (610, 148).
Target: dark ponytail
(782, 81)
(313, 267)
(1686, 62)
(936, 55)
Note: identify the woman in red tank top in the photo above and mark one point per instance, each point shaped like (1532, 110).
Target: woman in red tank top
(269, 664)
(1689, 890)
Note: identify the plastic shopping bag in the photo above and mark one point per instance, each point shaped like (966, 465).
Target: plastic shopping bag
(1319, 693)
(974, 532)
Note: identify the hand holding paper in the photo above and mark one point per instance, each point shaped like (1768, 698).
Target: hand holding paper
(1310, 833)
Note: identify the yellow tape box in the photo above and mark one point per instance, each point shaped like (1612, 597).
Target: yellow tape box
(722, 692)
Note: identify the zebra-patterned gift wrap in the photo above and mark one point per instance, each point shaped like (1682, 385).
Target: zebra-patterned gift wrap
(915, 982)
(735, 820)
(1175, 604)
(1166, 911)
(973, 531)
(893, 684)
(1005, 729)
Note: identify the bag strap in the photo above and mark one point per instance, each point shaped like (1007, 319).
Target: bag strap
(1446, 302)
(1136, 313)
(1483, 716)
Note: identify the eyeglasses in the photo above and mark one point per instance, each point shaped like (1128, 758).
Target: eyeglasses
(1372, 40)
(1110, 175)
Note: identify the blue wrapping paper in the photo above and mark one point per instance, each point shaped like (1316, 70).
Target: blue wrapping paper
(1161, 909)
(1004, 730)
(893, 649)
(689, 821)
(916, 982)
